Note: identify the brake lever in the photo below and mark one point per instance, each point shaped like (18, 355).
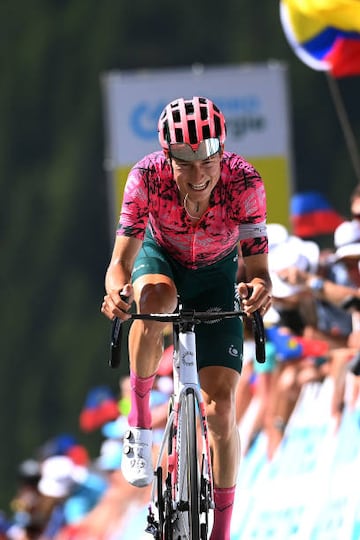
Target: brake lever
(115, 342)
(258, 331)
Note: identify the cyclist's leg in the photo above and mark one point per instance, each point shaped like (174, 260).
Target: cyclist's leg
(219, 388)
(154, 291)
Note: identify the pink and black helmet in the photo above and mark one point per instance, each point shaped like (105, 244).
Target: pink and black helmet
(191, 121)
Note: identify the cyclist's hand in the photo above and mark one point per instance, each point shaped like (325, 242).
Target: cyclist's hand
(116, 304)
(255, 295)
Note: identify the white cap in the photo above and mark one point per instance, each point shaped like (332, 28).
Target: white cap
(304, 255)
(347, 239)
(282, 289)
(293, 252)
(58, 476)
(277, 234)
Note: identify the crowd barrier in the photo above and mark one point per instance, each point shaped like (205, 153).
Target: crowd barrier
(309, 491)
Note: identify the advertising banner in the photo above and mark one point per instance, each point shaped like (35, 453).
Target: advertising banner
(307, 491)
(253, 98)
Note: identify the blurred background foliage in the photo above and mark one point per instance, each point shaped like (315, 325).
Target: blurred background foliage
(54, 234)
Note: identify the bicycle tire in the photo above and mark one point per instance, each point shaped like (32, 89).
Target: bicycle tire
(189, 473)
(193, 467)
(167, 491)
(168, 529)
(160, 499)
(205, 503)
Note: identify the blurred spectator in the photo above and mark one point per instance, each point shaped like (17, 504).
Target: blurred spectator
(27, 515)
(100, 406)
(298, 360)
(355, 203)
(56, 446)
(69, 492)
(333, 324)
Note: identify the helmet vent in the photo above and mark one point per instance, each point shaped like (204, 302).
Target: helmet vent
(179, 135)
(176, 116)
(189, 108)
(193, 138)
(166, 132)
(217, 125)
(203, 113)
(206, 132)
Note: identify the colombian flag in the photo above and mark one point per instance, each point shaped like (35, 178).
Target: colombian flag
(312, 215)
(324, 34)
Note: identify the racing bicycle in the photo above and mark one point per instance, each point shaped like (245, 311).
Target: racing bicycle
(182, 496)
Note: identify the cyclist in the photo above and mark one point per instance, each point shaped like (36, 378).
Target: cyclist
(184, 212)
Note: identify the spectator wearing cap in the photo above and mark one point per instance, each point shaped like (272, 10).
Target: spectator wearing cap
(99, 520)
(118, 505)
(272, 389)
(296, 309)
(347, 253)
(70, 491)
(334, 324)
(24, 504)
(347, 243)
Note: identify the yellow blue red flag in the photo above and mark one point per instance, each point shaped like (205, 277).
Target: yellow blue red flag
(324, 34)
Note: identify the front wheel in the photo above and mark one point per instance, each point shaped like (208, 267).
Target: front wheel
(193, 468)
(188, 523)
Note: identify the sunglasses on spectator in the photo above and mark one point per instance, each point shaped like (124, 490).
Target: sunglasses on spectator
(356, 216)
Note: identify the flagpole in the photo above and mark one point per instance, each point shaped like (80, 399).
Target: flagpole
(345, 124)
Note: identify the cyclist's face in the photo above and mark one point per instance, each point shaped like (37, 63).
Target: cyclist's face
(197, 178)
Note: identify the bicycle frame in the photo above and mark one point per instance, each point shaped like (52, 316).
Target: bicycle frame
(182, 498)
(185, 380)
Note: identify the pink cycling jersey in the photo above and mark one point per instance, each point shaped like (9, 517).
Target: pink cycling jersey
(236, 212)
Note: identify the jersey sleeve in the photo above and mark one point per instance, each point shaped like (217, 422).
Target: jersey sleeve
(135, 206)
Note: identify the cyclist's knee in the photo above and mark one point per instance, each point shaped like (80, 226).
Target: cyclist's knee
(158, 297)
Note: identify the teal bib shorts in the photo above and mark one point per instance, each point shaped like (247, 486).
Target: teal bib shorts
(210, 288)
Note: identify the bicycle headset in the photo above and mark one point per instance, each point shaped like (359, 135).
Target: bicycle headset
(191, 129)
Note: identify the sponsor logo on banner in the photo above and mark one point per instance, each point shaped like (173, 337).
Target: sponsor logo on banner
(243, 115)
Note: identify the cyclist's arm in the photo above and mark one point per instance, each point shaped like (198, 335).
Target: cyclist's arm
(257, 277)
(118, 276)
